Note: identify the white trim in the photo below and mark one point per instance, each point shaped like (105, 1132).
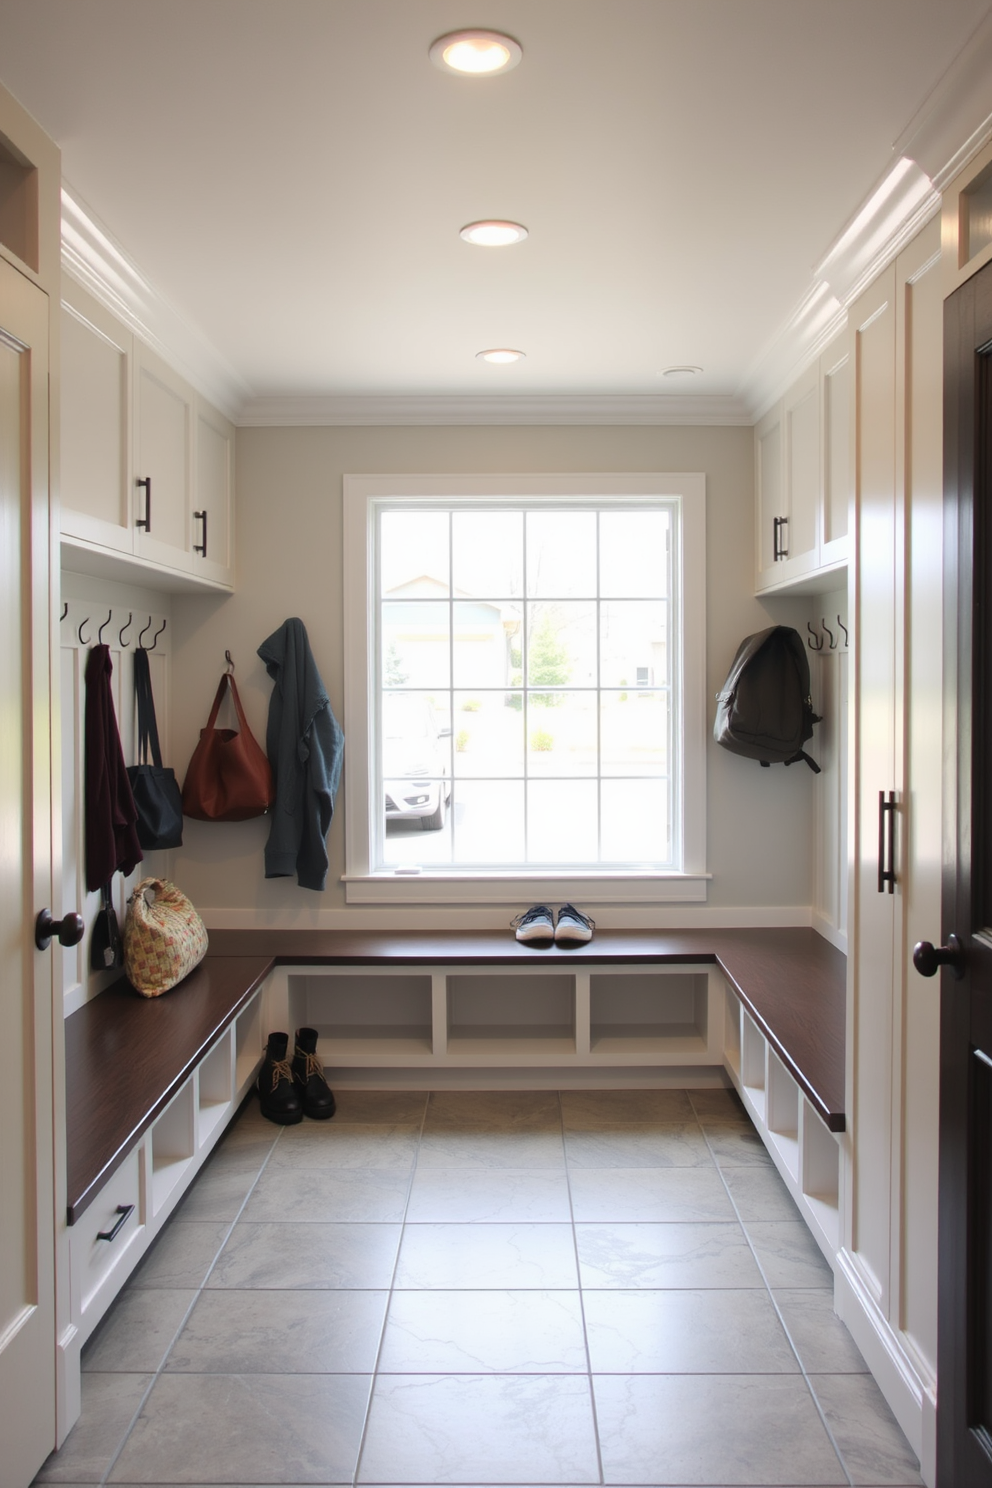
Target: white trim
(361, 494)
(396, 409)
(620, 917)
(907, 1383)
(953, 123)
(92, 256)
(479, 888)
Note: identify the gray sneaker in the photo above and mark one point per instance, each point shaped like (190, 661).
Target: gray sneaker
(573, 927)
(536, 926)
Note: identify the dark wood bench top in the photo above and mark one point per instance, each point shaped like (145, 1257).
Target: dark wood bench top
(126, 1055)
(792, 981)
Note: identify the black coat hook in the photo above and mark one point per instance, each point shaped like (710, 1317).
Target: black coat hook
(79, 632)
(833, 642)
(230, 662)
(143, 633)
(65, 611)
(99, 634)
(815, 642)
(157, 634)
(120, 639)
(844, 629)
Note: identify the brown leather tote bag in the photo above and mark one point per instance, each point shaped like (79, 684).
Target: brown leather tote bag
(229, 777)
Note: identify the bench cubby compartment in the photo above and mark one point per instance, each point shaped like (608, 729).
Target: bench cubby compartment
(805, 1152)
(661, 1012)
(510, 1014)
(362, 1017)
(172, 1146)
(214, 1090)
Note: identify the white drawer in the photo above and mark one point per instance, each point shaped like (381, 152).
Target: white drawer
(117, 1210)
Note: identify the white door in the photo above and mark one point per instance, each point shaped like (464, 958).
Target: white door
(27, 1268)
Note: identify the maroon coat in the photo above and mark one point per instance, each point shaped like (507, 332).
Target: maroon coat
(111, 834)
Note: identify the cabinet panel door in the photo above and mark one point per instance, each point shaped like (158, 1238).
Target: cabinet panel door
(876, 637)
(95, 424)
(835, 378)
(163, 453)
(801, 424)
(770, 502)
(213, 512)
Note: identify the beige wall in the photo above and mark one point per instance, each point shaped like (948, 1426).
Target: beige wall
(289, 522)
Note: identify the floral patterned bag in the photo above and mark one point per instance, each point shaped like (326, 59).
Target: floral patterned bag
(164, 937)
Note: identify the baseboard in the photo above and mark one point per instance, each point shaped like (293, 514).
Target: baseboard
(911, 1397)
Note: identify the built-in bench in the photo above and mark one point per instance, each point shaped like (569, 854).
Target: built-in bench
(152, 1083)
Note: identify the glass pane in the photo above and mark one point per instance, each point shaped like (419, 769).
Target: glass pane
(561, 645)
(634, 733)
(561, 554)
(415, 644)
(487, 551)
(488, 733)
(489, 822)
(413, 554)
(633, 643)
(561, 821)
(413, 841)
(486, 643)
(561, 733)
(632, 556)
(635, 822)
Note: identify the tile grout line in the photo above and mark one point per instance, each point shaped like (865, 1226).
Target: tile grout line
(771, 1295)
(199, 1290)
(389, 1297)
(582, 1303)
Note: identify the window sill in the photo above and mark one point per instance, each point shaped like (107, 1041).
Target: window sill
(428, 887)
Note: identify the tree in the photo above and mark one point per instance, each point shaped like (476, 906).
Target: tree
(395, 675)
(548, 660)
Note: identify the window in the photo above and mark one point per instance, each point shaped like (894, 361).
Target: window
(524, 687)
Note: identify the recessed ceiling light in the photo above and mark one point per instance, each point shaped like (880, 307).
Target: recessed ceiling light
(501, 354)
(476, 53)
(493, 234)
(681, 371)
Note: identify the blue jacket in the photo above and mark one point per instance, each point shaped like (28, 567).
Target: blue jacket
(305, 746)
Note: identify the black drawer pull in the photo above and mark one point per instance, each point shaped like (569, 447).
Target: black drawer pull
(887, 842)
(124, 1212)
(779, 550)
(201, 516)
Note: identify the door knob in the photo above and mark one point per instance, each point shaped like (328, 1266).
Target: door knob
(927, 958)
(69, 929)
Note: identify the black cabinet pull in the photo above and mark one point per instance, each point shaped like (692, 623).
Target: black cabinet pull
(886, 841)
(779, 550)
(146, 520)
(124, 1212)
(196, 547)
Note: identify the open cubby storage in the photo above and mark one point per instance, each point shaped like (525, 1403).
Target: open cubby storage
(249, 1041)
(172, 1146)
(657, 1012)
(214, 1090)
(504, 1016)
(806, 1153)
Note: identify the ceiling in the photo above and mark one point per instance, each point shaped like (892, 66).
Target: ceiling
(291, 177)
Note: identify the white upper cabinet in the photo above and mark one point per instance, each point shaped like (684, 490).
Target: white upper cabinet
(802, 479)
(96, 424)
(147, 464)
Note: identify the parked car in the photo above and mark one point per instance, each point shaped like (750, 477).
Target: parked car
(415, 760)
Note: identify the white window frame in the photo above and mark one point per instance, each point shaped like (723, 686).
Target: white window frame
(450, 885)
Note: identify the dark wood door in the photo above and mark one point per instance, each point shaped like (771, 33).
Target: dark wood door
(964, 1367)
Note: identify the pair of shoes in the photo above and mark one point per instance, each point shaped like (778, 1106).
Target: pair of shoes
(289, 1091)
(539, 926)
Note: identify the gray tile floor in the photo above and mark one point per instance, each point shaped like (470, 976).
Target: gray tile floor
(484, 1288)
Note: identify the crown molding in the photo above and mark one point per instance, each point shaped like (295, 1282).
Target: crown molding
(471, 408)
(953, 123)
(93, 257)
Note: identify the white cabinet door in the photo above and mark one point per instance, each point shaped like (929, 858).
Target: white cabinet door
(801, 430)
(770, 497)
(27, 1228)
(213, 513)
(835, 441)
(163, 463)
(96, 504)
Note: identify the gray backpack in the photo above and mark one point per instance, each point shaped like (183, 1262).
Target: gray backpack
(764, 710)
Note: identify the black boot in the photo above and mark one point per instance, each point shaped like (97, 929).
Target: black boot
(308, 1076)
(276, 1090)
